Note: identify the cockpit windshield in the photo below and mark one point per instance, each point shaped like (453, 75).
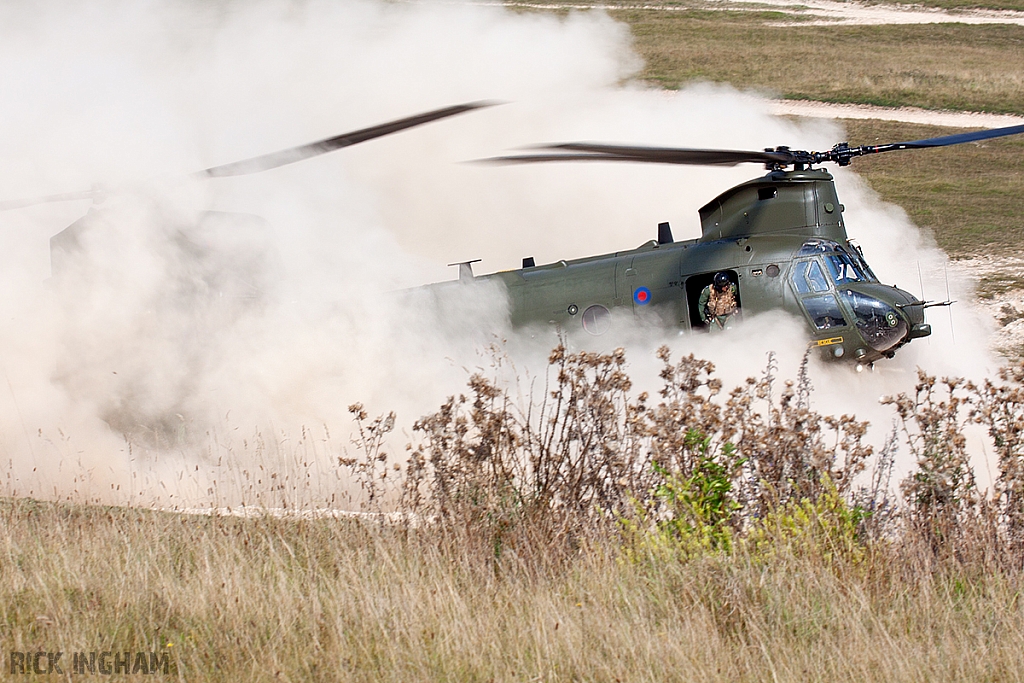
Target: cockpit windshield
(858, 258)
(843, 269)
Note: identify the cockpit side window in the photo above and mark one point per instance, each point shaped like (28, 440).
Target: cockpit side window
(845, 262)
(824, 311)
(808, 278)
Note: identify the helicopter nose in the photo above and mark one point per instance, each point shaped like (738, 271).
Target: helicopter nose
(879, 322)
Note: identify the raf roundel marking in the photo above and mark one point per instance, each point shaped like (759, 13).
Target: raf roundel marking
(642, 296)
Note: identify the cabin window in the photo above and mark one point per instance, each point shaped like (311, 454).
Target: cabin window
(767, 193)
(808, 278)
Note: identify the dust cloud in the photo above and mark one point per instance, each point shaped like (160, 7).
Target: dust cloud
(205, 339)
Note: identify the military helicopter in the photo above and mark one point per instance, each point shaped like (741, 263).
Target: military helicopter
(780, 241)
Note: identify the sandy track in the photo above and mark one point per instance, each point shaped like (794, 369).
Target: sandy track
(812, 12)
(854, 13)
(953, 119)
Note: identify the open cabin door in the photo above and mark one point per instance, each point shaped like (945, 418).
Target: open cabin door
(695, 285)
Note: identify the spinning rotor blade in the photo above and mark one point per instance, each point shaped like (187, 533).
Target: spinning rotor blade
(586, 151)
(286, 156)
(777, 158)
(265, 162)
(959, 138)
(842, 153)
(65, 197)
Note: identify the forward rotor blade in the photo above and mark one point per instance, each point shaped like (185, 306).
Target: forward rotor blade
(265, 162)
(843, 153)
(586, 151)
(65, 197)
(777, 158)
(960, 138)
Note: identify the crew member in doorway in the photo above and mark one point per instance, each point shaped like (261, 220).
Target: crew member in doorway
(718, 302)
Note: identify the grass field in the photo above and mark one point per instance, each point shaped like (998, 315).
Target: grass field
(934, 66)
(279, 600)
(944, 66)
(1014, 5)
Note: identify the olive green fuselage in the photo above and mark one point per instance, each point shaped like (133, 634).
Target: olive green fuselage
(780, 239)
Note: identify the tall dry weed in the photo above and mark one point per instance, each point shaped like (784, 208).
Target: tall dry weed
(584, 533)
(1000, 408)
(552, 471)
(544, 473)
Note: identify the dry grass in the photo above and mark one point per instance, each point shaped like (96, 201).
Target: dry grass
(270, 599)
(775, 568)
(992, 286)
(698, 4)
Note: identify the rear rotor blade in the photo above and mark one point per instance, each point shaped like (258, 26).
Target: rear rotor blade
(286, 156)
(283, 157)
(65, 197)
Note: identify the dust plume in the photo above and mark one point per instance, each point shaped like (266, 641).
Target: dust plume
(207, 349)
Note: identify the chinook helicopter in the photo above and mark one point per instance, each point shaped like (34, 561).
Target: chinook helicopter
(780, 240)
